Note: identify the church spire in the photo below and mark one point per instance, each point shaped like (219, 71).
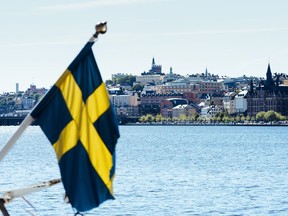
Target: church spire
(269, 79)
(268, 74)
(153, 61)
(251, 86)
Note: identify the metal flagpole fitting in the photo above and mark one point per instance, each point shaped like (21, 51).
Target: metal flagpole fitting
(100, 28)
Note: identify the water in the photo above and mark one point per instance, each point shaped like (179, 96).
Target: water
(166, 170)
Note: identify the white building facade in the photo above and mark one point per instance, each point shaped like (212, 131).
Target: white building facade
(144, 79)
(240, 102)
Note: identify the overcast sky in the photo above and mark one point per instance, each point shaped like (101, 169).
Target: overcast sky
(39, 39)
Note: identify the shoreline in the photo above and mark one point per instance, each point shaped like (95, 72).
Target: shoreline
(14, 121)
(206, 124)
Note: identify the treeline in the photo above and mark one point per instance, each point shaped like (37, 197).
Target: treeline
(127, 79)
(9, 103)
(223, 117)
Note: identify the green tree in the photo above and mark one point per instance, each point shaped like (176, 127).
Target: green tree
(37, 97)
(149, 118)
(137, 87)
(168, 119)
(226, 119)
(213, 119)
(221, 115)
(175, 119)
(260, 116)
(280, 117)
(142, 119)
(196, 116)
(226, 113)
(3, 101)
(248, 118)
(158, 118)
(200, 119)
(183, 117)
(108, 82)
(238, 118)
(129, 79)
(270, 116)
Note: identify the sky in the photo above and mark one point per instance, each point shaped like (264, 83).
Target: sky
(39, 39)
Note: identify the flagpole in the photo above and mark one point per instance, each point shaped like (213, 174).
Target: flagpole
(24, 124)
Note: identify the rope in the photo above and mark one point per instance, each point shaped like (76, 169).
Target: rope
(28, 202)
(29, 205)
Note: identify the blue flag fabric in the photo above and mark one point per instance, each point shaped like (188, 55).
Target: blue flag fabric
(77, 117)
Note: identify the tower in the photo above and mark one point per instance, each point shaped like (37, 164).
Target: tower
(17, 88)
(269, 80)
(155, 69)
(153, 62)
(251, 86)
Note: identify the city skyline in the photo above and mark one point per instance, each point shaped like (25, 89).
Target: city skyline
(40, 39)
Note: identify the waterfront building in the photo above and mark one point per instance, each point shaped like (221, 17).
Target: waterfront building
(131, 99)
(150, 103)
(240, 102)
(217, 100)
(126, 104)
(129, 111)
(204, 112)
(183, 109)
(28, 102)
(269, 94)
(208, 112)
(167, 105)
(228, 102)
(18, 103)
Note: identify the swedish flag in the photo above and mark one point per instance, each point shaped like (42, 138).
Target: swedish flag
(77, 117)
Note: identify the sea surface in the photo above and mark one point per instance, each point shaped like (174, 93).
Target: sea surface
(165, 170)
